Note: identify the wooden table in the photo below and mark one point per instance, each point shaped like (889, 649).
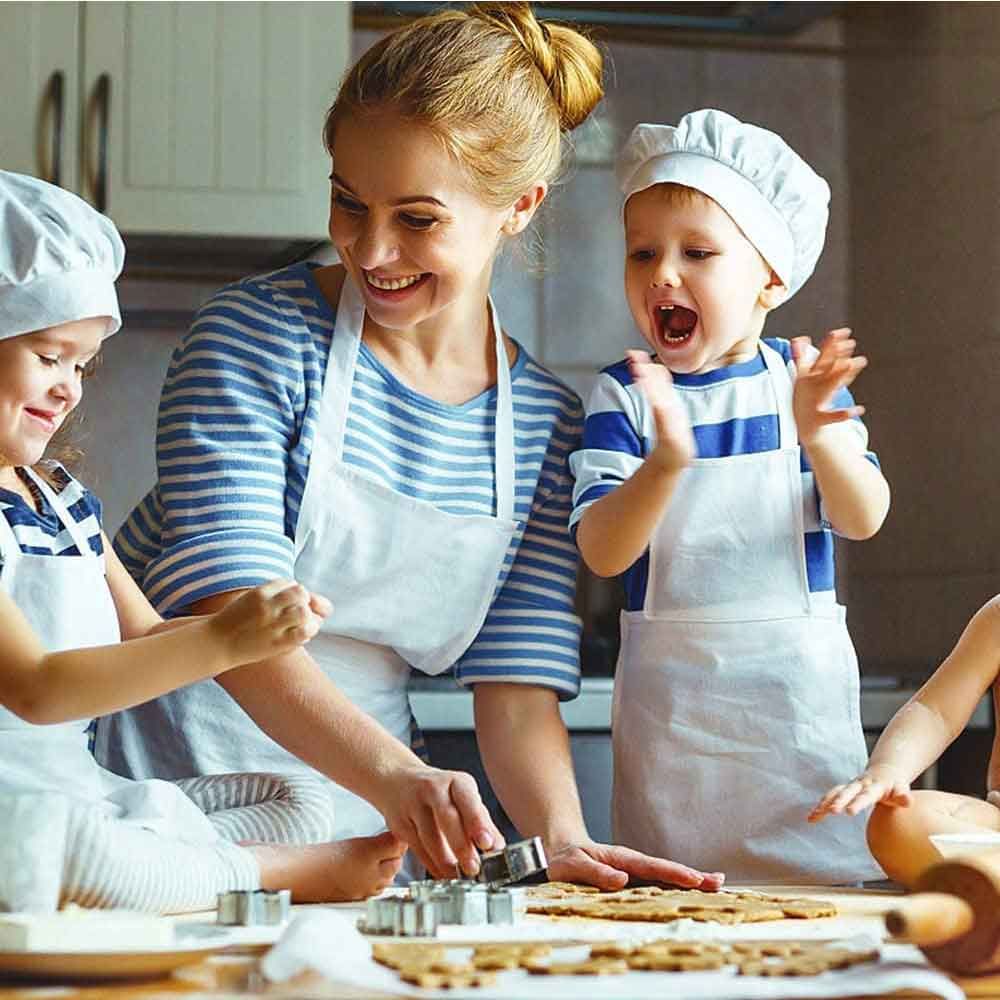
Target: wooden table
(232, 975)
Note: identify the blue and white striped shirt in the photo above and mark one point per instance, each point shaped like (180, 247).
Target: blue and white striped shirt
(39, 531)
(237, 419)
(733, 411)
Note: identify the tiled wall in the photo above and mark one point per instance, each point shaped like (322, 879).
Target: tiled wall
(923, 107)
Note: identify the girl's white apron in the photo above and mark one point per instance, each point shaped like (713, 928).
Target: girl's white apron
(68, 604)
(410, 585)
(736, 695)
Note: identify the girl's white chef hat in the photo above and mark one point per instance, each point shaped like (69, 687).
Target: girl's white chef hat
(778, 201)
(59, 258)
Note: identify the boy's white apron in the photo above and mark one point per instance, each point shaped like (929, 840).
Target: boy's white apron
(67, 602)
(410, 585)
(736, 695)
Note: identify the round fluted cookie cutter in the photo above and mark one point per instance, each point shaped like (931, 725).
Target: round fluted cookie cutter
(247, 907)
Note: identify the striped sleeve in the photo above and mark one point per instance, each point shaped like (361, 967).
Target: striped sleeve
(613, 444)
(532, 634)
(230, 414)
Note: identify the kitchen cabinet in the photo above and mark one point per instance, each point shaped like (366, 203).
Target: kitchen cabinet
(177, 118)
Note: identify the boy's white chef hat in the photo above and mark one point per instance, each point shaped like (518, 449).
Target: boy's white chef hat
(59, 258)
(768, 190)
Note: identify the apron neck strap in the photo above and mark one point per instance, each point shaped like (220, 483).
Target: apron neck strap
(782, 384)
(340, 367)
(61, 511)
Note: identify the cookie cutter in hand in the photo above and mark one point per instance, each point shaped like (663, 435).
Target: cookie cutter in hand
(513, 863)
(249, 907)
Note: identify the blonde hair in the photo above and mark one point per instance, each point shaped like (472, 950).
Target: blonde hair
(497, 87)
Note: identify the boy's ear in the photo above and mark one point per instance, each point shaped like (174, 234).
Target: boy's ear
(773, 293)
(524, 208)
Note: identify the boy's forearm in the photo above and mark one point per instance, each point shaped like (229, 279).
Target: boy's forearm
(855, 493)
(616, 530)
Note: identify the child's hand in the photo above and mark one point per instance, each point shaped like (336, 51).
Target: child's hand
(268, 620)
(675, 445)
(818, 377)
(877, 784)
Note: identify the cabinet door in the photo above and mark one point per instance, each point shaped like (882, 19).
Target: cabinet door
(214, 114)
(38, 80)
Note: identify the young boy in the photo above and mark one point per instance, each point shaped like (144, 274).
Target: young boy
(713, 479)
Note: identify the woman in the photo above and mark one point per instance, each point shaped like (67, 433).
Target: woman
(370, 428)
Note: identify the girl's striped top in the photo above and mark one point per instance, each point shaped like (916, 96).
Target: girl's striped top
(38, 529)
(733, 411)
(237, 419)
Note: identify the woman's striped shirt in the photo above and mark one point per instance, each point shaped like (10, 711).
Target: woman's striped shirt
(237, 420)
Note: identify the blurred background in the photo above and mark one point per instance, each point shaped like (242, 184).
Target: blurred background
(196, 127)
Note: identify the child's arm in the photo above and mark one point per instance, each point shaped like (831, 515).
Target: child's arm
(47, 688)
(615, 530)
(921, 730)
(855, 493)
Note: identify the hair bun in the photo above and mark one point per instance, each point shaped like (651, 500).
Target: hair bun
(570, 63)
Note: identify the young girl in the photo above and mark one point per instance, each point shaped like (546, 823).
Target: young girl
(903, 821)
(66, 603)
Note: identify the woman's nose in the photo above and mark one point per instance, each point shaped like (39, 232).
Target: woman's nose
(375, 246)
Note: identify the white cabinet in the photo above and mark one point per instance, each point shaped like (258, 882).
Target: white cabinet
(179, 118)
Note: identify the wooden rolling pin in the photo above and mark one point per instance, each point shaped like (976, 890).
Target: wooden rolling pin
(954, 915)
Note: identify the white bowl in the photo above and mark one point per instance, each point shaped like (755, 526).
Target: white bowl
(950, 845)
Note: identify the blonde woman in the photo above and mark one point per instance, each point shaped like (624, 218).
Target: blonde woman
(372, 429)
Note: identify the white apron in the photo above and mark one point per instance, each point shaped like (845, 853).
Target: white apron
(736, 700)
(68, 604)
(410, 585)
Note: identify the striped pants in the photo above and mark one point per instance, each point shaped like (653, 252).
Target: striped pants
(111, 863)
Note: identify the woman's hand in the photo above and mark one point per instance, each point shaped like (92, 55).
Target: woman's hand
(609, 867)
(441, 817)
(876, 784)
(675, 445)
(268, 620)
(818, 378)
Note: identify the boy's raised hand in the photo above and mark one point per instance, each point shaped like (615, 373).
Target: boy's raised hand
(819, 375)
(675, 445)
(876, 784)
(269, 620)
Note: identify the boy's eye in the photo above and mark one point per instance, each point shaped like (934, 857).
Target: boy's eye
(348, 204)
(642, 254)
(417, 221)
(698, 254)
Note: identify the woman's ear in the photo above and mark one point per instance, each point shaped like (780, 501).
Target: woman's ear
(773, 293)
(524, 209)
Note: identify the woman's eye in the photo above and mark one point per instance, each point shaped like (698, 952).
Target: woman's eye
(348, 204)
(698, 254)
(418, 221)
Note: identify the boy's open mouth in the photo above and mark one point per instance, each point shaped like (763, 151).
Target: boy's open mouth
(676, 323)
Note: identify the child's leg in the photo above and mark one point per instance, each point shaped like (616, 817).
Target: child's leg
(899, 838)
(109, 863)
(272, 808)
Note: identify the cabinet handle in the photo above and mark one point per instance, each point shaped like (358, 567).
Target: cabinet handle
(54, 97)
(101, 107)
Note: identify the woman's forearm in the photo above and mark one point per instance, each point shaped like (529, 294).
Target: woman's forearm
(526, 753)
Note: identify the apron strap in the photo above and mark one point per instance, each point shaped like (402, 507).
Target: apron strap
(504, 423)
(62, 513)
(781, 382)
(9, 547)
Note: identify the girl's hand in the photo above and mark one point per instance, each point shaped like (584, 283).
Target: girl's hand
(609, 867)
(818, 377)
(877, 784)
(268, 620)
(675, 445)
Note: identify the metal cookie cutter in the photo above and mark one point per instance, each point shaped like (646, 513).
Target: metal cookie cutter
(244, 907)
(513, 863)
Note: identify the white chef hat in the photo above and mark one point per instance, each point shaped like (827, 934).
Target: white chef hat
(778, 201)
(59, 258)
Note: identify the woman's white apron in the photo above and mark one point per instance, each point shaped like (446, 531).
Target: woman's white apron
(67, 602)
(736, 695)
(410, 586)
